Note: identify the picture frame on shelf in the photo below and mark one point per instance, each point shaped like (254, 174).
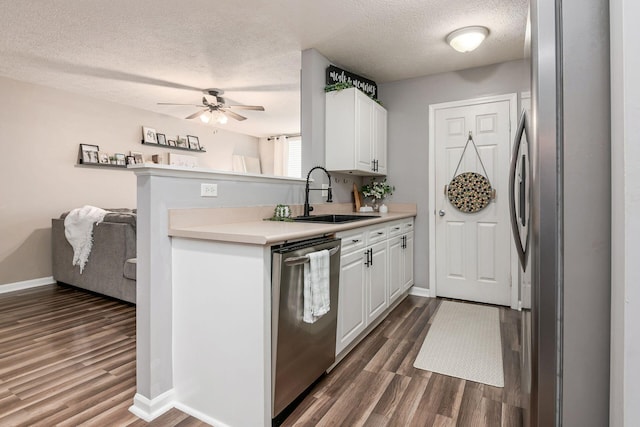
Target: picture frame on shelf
(89, 153)
(194, 142)
(182, 143)
(120, 159)
(149, 135)
(162, 138)
(171, 143)
(137, 156)
(103, 157)
(131, 160)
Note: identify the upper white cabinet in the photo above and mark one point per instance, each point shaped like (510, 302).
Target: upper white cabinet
(356, 133)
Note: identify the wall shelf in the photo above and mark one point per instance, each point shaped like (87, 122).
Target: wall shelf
(100, 165)
(171, 147)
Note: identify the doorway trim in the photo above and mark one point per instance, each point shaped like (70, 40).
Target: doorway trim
(512, 98)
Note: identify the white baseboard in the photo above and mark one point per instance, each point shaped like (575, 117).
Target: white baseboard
(27, 284)
(147, 409)
(199, 415)
(419, 292)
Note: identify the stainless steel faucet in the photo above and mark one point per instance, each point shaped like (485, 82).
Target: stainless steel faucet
(308, 208)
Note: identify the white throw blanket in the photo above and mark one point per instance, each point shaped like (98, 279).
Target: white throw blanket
(78, 229)
(316, 286)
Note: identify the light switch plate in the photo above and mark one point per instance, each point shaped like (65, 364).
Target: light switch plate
(324, 191)
(208, 190)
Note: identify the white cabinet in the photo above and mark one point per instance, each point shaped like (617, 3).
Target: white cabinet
(407, 261)
(376, 280)
(351, 298)
(355, 134)
(376, 268)
(396, 271)
(400, 258)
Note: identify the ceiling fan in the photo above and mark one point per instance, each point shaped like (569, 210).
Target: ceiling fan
(217, 108)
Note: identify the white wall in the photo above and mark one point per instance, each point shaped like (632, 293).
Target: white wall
(407, 102)
(40, 131)
(625, 221)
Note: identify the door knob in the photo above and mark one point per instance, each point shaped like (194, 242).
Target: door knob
(441, 212)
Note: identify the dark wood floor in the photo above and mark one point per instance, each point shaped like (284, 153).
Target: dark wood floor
(68, 358)
(377, 385)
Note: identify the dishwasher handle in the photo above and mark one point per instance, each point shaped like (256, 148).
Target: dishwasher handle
(304, 259)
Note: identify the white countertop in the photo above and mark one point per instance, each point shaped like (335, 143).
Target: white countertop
(261, 232)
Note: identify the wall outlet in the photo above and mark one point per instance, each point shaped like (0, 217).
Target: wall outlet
(208, 190)
(324, 191)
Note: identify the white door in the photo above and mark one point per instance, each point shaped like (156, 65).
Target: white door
(407, 256)
(473, 249)
(380, 138)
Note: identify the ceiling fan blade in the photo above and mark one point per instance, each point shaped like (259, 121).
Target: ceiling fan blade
(196, 114)
(232, 114)
(246, 107)
(171, 103)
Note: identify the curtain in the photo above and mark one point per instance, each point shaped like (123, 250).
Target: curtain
(280, 156)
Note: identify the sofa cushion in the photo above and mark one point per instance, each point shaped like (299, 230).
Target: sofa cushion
(130, 268)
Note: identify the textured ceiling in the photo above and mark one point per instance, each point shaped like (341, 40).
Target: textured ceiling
(147, 51)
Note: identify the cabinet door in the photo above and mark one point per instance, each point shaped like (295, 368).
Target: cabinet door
(351, 299)
(377, 279)
(380, 138)
(364, 132)
(407, 261)
(396, 269)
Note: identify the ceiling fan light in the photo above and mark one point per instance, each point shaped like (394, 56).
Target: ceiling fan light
(468, 38)
(222, 119)
(205, 117)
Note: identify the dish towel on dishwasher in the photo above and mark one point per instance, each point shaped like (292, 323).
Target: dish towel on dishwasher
(316, 286)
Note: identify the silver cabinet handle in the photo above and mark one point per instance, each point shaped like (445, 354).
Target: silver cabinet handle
(441, 213)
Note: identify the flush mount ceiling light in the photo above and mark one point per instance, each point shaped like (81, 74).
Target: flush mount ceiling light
(467, 39)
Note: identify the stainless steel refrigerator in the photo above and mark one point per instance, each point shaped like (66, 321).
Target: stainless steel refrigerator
(569, 134)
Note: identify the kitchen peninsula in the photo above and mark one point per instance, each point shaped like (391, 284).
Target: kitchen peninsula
(213, 304)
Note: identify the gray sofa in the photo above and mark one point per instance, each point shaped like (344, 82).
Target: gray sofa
(111, 268)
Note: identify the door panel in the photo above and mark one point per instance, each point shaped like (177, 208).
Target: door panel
(473, 249)
(455, 249)
(377, 279)
(351, 303)
(396, 269)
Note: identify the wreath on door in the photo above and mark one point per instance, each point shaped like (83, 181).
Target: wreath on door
(470, 192)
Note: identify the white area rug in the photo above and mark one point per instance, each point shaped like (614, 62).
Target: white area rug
(464, 342)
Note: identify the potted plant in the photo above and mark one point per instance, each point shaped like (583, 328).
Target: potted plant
(378, 190)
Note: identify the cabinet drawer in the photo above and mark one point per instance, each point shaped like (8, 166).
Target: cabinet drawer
(395, 228)
(352, 240)
(377, 234)
(407, 226)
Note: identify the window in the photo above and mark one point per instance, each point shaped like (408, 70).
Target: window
(294, 157)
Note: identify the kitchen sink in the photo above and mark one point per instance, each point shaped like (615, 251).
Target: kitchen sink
(333, 219)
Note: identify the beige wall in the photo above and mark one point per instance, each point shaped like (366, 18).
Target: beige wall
(40, 129)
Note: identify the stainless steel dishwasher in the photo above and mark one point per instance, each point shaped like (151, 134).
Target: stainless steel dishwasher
(300, 352)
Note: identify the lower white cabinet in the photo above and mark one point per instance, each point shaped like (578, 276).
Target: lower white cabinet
(406, 261)
(376, 268)
(351, 298)
(376, 280)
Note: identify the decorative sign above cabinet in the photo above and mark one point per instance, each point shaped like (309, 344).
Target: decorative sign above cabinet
(338, 75)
